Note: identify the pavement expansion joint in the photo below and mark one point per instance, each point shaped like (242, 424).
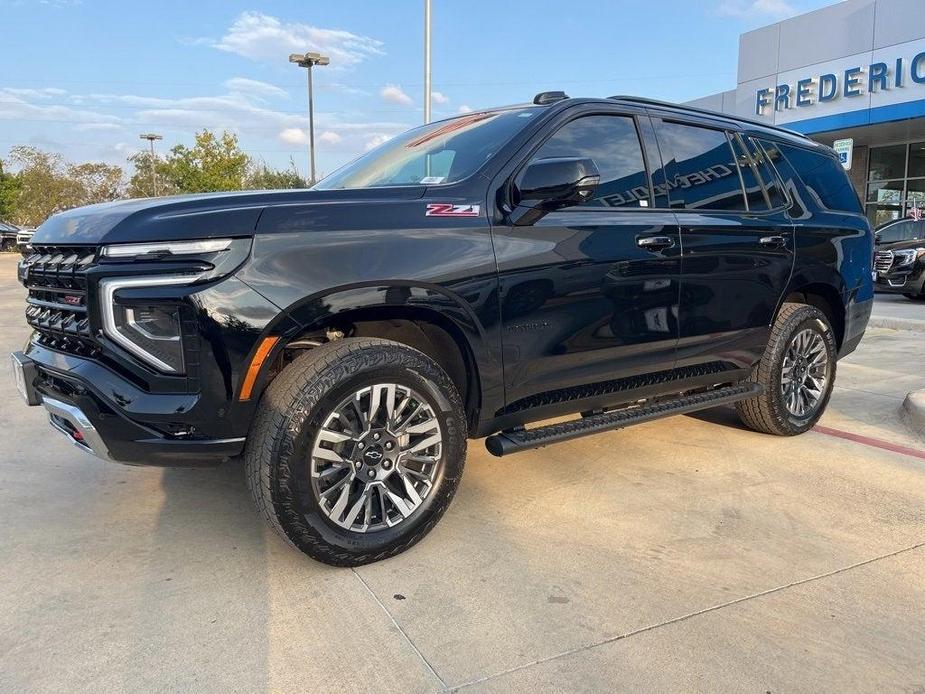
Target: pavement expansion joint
(400, 629)
(689, 615)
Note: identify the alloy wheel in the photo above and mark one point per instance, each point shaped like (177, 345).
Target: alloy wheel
(804, 373)
(376, 458)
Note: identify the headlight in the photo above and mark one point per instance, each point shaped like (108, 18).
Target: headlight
(151, 331)
(908, 255)
(166, 248)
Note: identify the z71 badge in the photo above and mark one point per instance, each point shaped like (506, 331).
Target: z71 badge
(446, 209)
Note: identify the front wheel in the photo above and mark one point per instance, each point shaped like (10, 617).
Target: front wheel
(797, 372)
(356, 450)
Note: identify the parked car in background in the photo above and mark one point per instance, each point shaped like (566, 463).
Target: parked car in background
(24, 240)
(8, 236)
(900, 258)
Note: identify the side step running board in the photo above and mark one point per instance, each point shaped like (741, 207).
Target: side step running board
(521, 439)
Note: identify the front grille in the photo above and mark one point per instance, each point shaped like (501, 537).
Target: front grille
(57, 303)
(883, 261)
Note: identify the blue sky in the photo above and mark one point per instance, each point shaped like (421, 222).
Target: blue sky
(84, 78)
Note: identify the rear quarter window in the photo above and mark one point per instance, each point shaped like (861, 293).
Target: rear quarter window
(824, 177)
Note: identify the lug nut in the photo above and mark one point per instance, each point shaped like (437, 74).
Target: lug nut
(377, 436)
(361, 445)
(371, 473)
(387, 464)
(389, 445)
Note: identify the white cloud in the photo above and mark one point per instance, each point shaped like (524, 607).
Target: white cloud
(756, 9)
(246, 86)
(294, 136)
(464, 109)
(329, 137)
(377, 140)
(394, 94)
(259, 36)
(439, 98)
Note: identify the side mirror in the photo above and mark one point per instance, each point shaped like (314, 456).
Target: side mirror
(551, 184)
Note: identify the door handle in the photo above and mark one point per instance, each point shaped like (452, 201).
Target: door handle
(775, 241)
(655, 243)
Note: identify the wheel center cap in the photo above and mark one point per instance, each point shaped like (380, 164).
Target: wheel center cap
(373, 455)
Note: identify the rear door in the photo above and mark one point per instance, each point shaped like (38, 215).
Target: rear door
(590, 293)
(737, 240)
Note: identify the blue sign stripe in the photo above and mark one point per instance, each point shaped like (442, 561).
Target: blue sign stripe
(854, 119)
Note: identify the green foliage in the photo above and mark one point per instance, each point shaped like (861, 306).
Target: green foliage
(262, 177)
(44, 183)
(9, 191)
(212, 164)
(47, 184)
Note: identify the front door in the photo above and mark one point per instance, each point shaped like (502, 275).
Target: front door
(737, 240)
(589, 293)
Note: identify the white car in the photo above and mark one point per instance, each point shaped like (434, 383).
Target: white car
(24, 240)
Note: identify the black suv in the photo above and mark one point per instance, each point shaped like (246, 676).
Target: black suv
(618, 260)
(900, 258)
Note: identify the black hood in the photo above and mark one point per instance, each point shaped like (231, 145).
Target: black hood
(901, 245)
(207, 215)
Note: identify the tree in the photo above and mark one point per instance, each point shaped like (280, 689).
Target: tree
(46, 184)
(262, 177)
(9, 191)
(140, 184)
(98, 182)
(212, 164)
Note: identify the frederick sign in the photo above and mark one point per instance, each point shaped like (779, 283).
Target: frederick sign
(853, 82)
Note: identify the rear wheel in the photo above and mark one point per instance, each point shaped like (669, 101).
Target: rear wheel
(797, 372)
(356, 450)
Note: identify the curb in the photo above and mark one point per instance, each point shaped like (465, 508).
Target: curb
(913, 411)
(912, 324)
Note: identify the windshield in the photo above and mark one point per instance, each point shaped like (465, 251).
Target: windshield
(902, 231)
(443, 152)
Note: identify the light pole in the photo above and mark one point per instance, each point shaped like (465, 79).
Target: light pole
(308, 60)
(427, 61)
(151, 137)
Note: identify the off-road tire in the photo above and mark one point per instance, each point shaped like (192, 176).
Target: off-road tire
(278, 448)
(768, 412)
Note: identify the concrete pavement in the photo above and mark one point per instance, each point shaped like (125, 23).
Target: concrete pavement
(896, 312)
(686, 554)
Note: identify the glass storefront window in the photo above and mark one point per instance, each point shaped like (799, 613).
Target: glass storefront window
(915, 193)
(896, 182)
(916, 159)
(887, 162)
(881, 214)
(885, 191)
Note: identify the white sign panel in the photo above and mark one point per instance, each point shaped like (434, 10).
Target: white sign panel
(844, 148)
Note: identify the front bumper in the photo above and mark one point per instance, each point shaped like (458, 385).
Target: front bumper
(909, 282)
(71, 389)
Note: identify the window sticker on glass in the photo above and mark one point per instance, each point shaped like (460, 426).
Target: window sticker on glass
(433, 179)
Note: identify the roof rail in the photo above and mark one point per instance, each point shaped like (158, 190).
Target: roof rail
(706, 111)
(544, 98)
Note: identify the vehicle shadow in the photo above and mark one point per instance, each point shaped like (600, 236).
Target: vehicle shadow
(724, 416)
(205, 589)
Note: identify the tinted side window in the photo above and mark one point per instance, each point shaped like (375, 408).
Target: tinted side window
(702, 169)
(824, 177)
(768, 175)
(902, 231)
(613, 144)
(751, 181)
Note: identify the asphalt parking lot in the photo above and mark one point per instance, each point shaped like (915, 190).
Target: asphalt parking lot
(687, 554)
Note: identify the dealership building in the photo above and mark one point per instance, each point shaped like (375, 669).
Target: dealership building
(853, 72)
